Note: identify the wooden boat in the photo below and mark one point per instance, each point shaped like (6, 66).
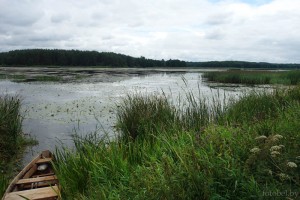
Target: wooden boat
(36, 181)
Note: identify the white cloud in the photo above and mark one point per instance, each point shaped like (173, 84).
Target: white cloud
(198, 30)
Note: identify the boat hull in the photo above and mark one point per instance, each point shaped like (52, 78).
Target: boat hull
(36, 181)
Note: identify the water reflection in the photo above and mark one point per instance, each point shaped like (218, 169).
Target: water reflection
(53, 110)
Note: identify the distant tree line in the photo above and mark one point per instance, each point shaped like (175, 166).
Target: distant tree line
(47, 57)
(242, 64)
(57, 57)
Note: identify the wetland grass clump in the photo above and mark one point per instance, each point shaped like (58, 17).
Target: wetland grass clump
(12, 141)
(240, 77)
(292, 76)
(138, 115)
(254, 77)
(10, 126)
(230, 156)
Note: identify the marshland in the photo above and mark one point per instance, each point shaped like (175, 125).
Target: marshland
(150, 100)
(155, 134)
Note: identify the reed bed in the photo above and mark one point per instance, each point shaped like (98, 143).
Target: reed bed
(254, 77)
(240, 150)
(12, 141)
(10, 130)
(10, 125)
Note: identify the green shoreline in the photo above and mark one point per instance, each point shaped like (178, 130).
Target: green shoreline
(248, 77)
(239, 150)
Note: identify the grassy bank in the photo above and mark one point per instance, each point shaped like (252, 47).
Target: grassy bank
(12, 141)
(242, 150)
(254, 77)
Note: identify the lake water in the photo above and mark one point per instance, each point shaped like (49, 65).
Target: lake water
(53, 110)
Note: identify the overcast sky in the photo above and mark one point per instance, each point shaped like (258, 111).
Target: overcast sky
(192, 30)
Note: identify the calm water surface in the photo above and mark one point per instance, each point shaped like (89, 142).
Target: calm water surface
(54, 110)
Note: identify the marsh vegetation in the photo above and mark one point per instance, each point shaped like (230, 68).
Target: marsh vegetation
(12, 140)
(194, 147)
(254, 77)
(234, 150)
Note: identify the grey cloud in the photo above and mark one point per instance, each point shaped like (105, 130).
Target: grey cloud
(218, 19)
(17, 13)
(214, 35)
(58, 18)
(98, 15)
(107, 37)
(136, 24)
(48, 37)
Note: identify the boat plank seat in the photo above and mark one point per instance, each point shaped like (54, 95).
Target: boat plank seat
(34, 194)
(35, 180)
(42, 175)
(43, 160)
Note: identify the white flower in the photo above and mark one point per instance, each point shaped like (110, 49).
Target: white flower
(270, 172)
(255, 150)
(274, 153)
(298, 157)
(283, 176)
(277, 137)
(275, 148)
(262, 137)
(291, 165)
(282, 146)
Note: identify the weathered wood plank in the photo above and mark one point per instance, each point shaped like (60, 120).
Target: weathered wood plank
(43, 160)
(34, 194)
(42, 175)
(35, 180)
(31, 171)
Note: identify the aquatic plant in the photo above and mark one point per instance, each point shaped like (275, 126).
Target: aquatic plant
(10, 125)
(254, 77)
(159, 156)
(12, 140)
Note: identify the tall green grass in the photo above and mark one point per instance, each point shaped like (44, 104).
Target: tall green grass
(10, 126)
(138, 115)
(10, 129)
(12, 141)
(197, 151)
(254, 77)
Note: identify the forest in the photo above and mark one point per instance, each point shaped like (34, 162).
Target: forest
(58, 57)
